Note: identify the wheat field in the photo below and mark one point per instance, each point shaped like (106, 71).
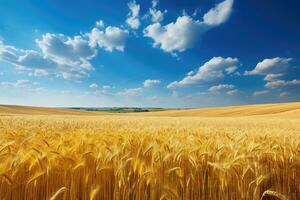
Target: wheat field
(51, 154)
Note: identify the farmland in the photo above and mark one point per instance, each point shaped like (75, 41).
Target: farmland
(217, 153)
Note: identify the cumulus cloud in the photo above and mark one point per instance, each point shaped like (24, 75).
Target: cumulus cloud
(150, 83)
(64, 56)
(274, 69)
(185, 31)
(212, 70)
(67, 51)
(131, 92)
(271, 66)
(262, 92)
(221, 87)
(112, 38)
(219, 13)
(23, 58)
(94, 85)
(231, 69)
(37, 64)
(281, 83)
(156, 15)
(133, 17)
(177, 36)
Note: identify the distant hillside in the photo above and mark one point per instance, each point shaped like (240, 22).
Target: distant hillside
(291, 110)
(29, 110)
(282, 109)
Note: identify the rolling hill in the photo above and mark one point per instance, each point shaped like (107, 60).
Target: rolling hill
(275, 110)
(30, 110)
(281, 109)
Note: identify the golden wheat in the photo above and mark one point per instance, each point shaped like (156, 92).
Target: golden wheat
(135, 157)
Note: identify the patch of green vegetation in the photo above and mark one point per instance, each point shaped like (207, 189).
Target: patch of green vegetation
(121, 109)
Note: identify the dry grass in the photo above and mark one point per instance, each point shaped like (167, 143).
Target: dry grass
(130, 157)
(28, 110)
(278, 110)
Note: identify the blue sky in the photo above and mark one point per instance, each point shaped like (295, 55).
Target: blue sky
(149, 53)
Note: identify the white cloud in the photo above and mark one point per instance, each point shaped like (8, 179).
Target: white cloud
(196, 11)
(38, 64)
(190, 73)
(154, 3)
(273, 69)
(233, 92)
(133, 17)
(93, 86)
(263, 92)
(271, 66)
(219, 14)
(272, 77)
(212, 70)
(185, 32)
(111, 38)
(67, 51)
(131, 92)
(231, 69)
(73, 74)
(99, 24)
(282, 83)
(63, 56)
(221, 87)
(177, 36)
(156, 15)
(19, 84)
(39, 72)
(151, 83)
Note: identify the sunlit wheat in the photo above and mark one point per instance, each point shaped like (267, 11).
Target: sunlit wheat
(135, 157)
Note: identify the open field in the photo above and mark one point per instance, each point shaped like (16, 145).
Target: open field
(28, 110)
(279, 110)
(219, 154)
